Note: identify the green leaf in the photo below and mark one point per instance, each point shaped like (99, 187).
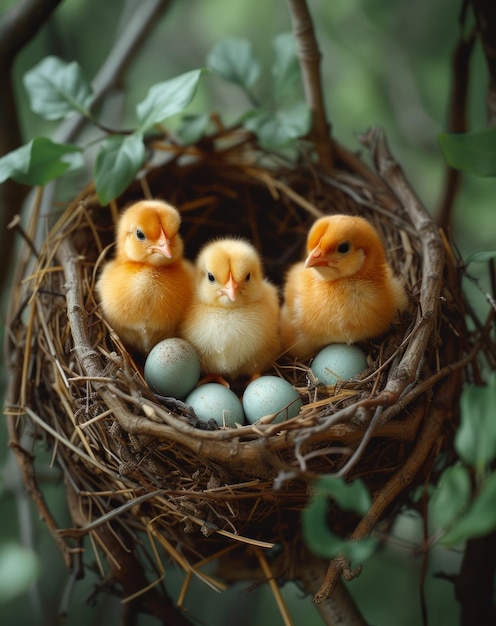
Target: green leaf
(18, 570)
(57, 89)
(233, 59)
(480, 518)
(473, 152)
(317, 535)
(475, 440)
(40, 161)
(352, 496)
(166, 99)
(324, 543)
(451, 496)
(279, 129)
(287, 85)
(481, 256)
(118, 161)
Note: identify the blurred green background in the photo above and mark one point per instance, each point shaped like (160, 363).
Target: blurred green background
(385, 63)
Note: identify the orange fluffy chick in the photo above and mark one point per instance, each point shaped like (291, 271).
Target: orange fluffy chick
(233, 321)
(343, 292)
(144, 291)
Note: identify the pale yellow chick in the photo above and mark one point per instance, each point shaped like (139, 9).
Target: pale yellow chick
(233, 322)
(146, 288)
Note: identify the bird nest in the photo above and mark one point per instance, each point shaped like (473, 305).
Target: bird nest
(147, 482)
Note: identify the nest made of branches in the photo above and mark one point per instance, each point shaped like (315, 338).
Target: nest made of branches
(139, 469)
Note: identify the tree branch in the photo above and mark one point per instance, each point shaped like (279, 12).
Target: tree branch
(457, 123)
(310, 57)
(341, 609)
(307, 570)
(474, 586)
(17, 28)
(485, 17)
(21, 24)
(129, 40)
(128, 43)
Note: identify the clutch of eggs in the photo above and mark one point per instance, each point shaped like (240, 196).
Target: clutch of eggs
(172, 368)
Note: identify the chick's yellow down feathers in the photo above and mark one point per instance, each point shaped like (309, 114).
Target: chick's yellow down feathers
(343, 292)
(145, 289)
(233, 321)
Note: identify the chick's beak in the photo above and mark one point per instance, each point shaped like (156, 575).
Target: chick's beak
(317, 258)
(163, 245)
(231, 288)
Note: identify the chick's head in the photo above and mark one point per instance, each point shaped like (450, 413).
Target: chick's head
(229, 273)
(148, 232)
(340, 246)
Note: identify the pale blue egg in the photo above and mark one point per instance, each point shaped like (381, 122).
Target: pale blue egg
(269, 395)
(173, 368)
(217, 402)
(338, 361)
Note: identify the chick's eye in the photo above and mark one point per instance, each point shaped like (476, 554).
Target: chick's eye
(211, 277)
(248, 276)
(344, 247)
(140, 235)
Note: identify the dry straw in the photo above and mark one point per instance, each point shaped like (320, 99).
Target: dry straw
(145, 483)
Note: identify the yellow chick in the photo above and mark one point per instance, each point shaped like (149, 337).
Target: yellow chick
(233, 321)
(145, 289)
(343, 292)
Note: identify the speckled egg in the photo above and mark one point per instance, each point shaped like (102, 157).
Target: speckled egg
(338, 361)
(173, 368)
(217, 402)
(269, 395)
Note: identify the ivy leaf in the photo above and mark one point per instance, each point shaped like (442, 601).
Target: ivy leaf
(57, 89)
(472, 152)
(40, 161)
(280, 128)
(233, 59)
(117, 163)
(480, 518)
(287, 85)
(451, 497)
(166, 99)
(318, 537)
(475, 440)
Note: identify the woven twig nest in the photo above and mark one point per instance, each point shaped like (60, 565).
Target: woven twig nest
(139, 469)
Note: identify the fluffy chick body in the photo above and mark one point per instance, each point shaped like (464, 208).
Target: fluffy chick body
(145, 289)
(233, 321)
(344, 291)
